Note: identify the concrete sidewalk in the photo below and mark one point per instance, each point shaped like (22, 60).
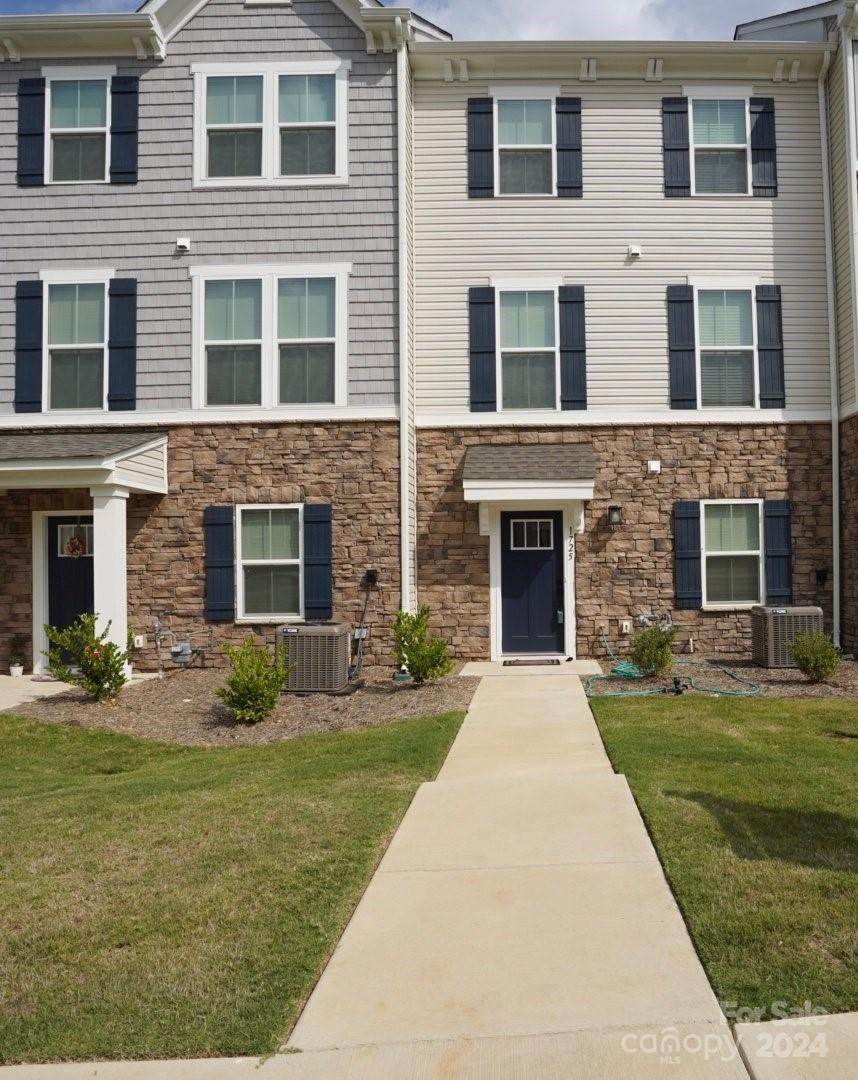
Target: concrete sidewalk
(519, 926)
(520, 923)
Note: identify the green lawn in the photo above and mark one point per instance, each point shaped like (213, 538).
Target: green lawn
(164, 901)
(752, 806)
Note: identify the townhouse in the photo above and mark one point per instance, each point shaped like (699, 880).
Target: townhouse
(543, 333)
(200, 347)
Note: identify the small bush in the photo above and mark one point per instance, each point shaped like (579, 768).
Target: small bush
(816, 656)
(255, 682)
(82, 657)
(425, 658)
(18, 649)
(652, 649)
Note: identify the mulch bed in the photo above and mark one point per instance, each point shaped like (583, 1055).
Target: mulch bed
(775, 682)
(182, 708)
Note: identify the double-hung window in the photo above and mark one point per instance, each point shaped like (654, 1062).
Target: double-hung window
(271, 336)
(307, 337)
(726, 331)
(308, 125)
(233, 342)
(528, 354)
(271, 124)
(268, 562)
(721, 158)
(525, 145)
(732, 553)
(75, 345)
(78, 129)
(234, 125)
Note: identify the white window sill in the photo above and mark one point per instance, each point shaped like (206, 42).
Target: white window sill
(269, 620)
(236, 183)
(732, 607)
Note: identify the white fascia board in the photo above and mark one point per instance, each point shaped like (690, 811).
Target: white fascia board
(605, 416)
(208, 417)
(527, 490)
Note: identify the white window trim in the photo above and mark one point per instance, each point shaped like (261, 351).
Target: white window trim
(523, 286)
(77, 74)
(270, 73)
(66, 276)
(720, 93)
(524, 93)
(269, 276)
(703, 553)
(241, 617)
(736, 286)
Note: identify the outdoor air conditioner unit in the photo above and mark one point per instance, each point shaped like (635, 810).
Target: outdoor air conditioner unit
(318, 657)
(775, 629)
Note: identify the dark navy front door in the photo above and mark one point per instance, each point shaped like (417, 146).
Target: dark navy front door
(70, 569)
(532, 582)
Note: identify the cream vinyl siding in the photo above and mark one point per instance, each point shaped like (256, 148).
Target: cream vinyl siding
(460, 242)
(840, 180)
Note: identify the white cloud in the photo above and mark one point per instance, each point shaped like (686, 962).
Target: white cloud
(596, 19)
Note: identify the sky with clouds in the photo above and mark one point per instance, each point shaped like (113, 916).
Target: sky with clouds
(540, 19)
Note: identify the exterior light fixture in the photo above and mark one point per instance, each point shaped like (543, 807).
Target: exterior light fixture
(615, 516)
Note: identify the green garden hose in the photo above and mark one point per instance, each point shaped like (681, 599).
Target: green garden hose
(625, 669)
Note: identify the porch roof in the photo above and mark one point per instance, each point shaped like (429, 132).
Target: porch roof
(529, 473)
(135, 460)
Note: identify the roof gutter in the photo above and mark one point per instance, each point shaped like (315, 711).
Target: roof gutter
(833, 373)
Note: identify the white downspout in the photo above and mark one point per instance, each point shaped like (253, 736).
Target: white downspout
(833, 374)
(402, 74)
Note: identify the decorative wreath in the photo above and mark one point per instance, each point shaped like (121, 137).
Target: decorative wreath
(75, 547)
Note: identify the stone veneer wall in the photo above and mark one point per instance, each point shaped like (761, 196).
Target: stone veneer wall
(354, 466)
(621, 573)
(849, 530)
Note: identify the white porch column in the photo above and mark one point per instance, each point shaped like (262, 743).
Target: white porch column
(110, 568)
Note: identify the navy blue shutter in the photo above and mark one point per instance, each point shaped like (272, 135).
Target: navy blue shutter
(31, 132)
(681, 345)
(219, 527)
(124, 106)
(481, 148)
(770, 347)
(764, 148)
(688, 583)
(676, 146)
(481, 305)
(122, 345)
(573, 348)
(570, 180)
(318, 562)
(28, 346)
(777, 528)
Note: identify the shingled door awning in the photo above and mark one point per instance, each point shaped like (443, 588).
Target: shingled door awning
(531, 473)
(133, 460)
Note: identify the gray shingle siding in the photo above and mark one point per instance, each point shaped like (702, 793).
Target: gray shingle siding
(133, 229)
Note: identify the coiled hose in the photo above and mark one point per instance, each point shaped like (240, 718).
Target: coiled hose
(625, 669)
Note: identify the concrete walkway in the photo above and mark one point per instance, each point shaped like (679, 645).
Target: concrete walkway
(519, 926)
(23, 688)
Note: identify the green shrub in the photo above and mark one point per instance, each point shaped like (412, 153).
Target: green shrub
(652, 649)
(254, 685)
(82, 657)
(816, 656)
(425, 658)
(18, 649)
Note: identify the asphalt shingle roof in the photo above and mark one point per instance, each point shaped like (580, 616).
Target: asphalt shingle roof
(533, 462)
(50, 446)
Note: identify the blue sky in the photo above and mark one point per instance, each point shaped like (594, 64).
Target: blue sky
(501, 19)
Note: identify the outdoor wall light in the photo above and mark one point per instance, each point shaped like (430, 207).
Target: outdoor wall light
(615, 516)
